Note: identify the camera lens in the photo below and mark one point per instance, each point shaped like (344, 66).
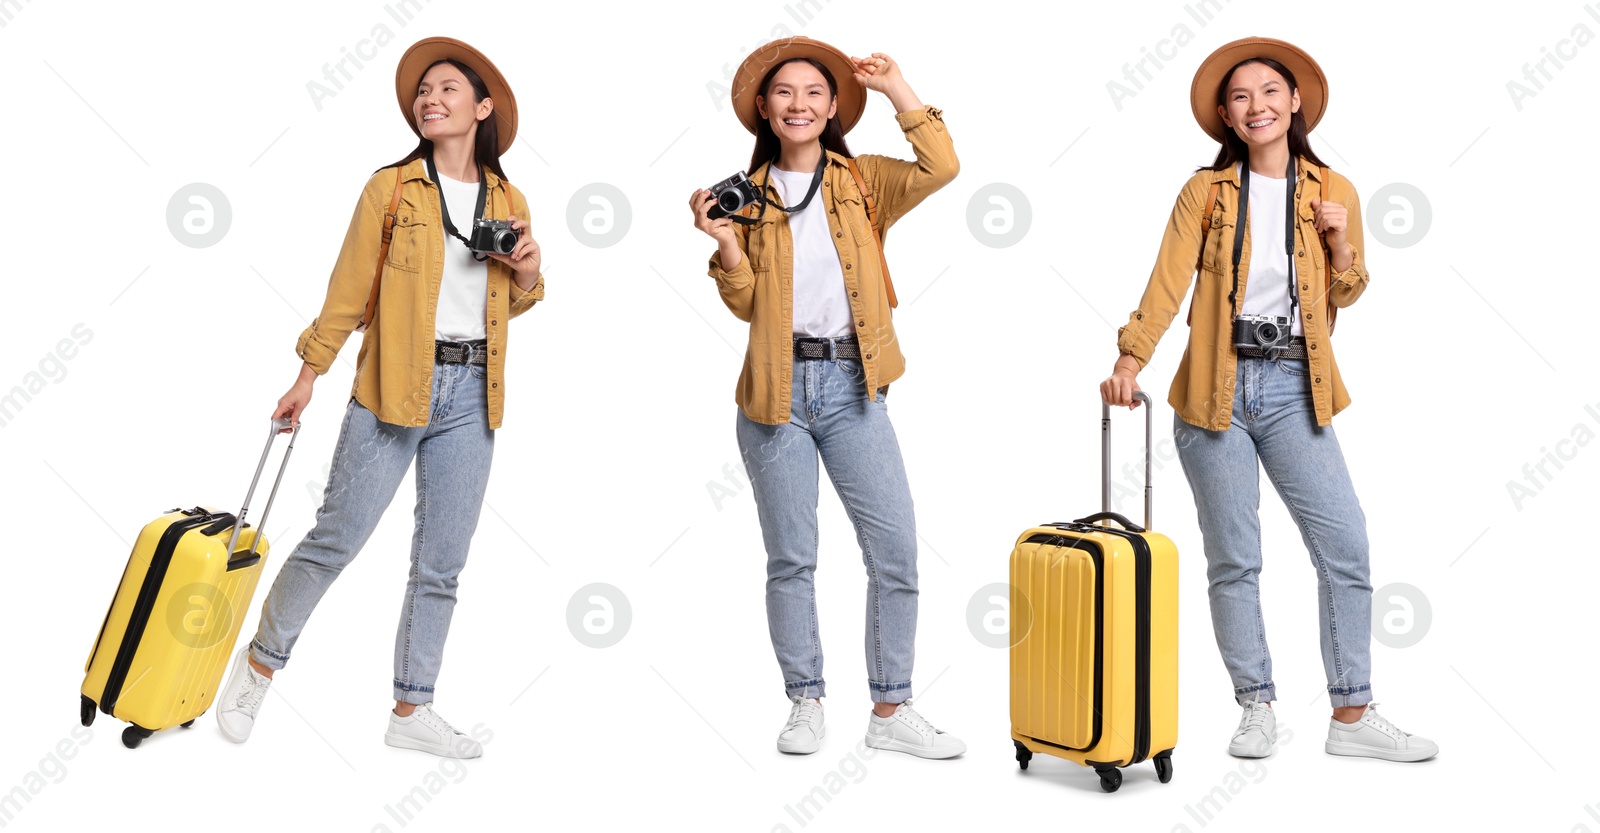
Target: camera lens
(504, 241)
(730, 200)
(1266, 333)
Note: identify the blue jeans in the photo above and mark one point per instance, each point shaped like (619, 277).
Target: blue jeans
(1273, 421)
(453, 452)
(831, 417)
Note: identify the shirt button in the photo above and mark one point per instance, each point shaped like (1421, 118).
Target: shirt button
(1304, 287)
(838, 234)
(869, 355)
(494, 352)
(1319, 380)
(1302, 254)
(852, 294)
(1313, 345)
(493, 294)
(1308, 316)
(497, 384)
(861, 323)
(493, 323)
(847, 266)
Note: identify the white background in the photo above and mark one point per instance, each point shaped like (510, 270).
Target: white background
(1467, 358)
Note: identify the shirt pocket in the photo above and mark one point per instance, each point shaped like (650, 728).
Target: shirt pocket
(1310, 242)
(408, 246)
(1217, 256)
(852, 211)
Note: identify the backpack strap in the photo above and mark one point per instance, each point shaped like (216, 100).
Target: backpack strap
(877, 230)
(389, 218)
(1205, 232)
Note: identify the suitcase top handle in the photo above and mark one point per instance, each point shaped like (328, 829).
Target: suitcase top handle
(1105, 458)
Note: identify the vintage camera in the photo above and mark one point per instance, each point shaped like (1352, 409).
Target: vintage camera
(732, 195)
(1262, 332)
(494, 236)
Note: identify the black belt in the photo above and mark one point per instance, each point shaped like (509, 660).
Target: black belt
(1295, 350)
(843, 347)
(461, 352)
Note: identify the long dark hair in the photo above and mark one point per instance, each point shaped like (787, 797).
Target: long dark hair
(767, 144)
(485, 147)
(1235, 151)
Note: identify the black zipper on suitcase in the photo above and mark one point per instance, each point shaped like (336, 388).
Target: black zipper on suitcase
(1098, 557)
(1142, 571)
(149, 592)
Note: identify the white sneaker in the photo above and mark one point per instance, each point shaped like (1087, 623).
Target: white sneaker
(911, 733)
(240, 699)
(1257, 735)
(803, 734)
(1374, 737)
(426, 731)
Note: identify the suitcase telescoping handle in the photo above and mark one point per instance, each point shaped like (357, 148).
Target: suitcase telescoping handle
(1105, 462)
(278, 425)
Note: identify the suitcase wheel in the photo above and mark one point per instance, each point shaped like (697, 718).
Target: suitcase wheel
(1024, 754)
(188, 724)
(1164, 767)
(134, 735)
(86, 710)
(1110, 778)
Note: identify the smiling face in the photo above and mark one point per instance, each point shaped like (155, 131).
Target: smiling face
(1257, 104)
(798, 103)
(445, 106)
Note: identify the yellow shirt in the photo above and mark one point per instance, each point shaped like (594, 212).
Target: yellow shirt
(1202, 390)
(394, 370)
(760, 289)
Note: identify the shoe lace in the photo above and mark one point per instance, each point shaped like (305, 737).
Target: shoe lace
(803, 712)
(1254, 718)
(1381, 723)
(915, 720)
(432, 719)
(249, 700)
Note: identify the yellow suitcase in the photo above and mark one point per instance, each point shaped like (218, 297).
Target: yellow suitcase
(169, 633)
(1094, 637)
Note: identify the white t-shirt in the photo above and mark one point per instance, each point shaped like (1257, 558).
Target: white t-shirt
(821, 309)
(464, 292)
(1266, 290)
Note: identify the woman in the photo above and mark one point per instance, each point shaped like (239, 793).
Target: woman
(440, 307)
(803, 267)
(1241, 395)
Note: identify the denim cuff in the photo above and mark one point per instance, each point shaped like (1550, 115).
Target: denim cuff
(265, 656)
(414, 694)
(805, 689)
(1350, 695)
(1261, 693)
(890, 692)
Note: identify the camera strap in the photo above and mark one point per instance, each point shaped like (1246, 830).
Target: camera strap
(483, 198)
(1239, 227)
(761, 194)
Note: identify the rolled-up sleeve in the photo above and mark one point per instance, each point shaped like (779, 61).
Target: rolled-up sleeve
(523, 300)
(737, 286)
(1169, 280)
(1347, 286)
(351, 281)
(900, 185)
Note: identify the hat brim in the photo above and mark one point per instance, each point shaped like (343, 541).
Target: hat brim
(852, 97)
(1308, 77)
(428, 51)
